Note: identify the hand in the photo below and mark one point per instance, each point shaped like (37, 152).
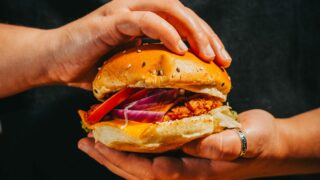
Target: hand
(215, 156)
(76, 47)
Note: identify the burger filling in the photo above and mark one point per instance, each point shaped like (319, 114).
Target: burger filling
(193, 107)
(151, 105)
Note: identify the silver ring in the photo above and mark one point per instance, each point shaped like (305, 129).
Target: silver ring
(243, 139)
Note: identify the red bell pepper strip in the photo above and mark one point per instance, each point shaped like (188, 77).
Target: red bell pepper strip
(138, 95)
(99, 112)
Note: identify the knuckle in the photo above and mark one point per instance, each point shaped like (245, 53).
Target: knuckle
(210, 146)
(201, 36)
(214, 151)
(229, 153)
(147, 16)
(217, 149)
(229, 150)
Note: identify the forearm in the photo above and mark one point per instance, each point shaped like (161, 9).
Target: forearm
(300, 139)
(303, 135)
(24, 55)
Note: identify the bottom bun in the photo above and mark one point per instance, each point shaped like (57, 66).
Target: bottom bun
(162, 136)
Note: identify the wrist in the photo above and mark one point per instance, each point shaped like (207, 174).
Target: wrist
(36, 58)
(46, 46)
(282, 149)
(293, 154)
(274, 153)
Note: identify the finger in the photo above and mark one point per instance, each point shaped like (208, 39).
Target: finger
(222, 56)
(175, 13)
(87, 146)
(198, 168)
(137, 166)
(166, 167)
(176, 168)
(159, 168)
(149, 24)
(221, 146)
(260, 132)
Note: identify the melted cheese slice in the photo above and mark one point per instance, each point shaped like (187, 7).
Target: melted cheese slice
(133, 128)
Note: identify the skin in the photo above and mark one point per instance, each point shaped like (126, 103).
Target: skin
(69, 54)
(275, 147)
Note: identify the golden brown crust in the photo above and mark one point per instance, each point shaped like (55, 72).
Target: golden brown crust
(153, 66)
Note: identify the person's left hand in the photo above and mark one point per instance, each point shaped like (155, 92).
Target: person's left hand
(215, 156)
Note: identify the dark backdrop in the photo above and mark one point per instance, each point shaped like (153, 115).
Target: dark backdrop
(275, 50)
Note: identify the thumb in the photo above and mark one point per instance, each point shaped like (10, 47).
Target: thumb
(225, 145)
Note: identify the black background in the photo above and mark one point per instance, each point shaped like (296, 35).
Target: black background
(275, 50)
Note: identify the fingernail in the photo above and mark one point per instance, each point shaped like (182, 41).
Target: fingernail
(182, 46)
(90, 135)
(208, 51)
(82, 146)
(225, 55)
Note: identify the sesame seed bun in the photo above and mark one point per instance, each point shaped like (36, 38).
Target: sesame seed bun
(154, 66)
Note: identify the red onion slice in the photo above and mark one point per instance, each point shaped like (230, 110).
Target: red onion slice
(144, 93)
(161, 97)
(137, 115)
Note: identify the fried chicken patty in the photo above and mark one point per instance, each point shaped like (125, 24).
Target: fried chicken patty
(193, 107)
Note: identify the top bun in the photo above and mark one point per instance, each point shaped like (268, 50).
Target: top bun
(154, 66)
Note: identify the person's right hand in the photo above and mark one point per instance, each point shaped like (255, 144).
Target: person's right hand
(213, 157)
(77, 46)
(275, 147)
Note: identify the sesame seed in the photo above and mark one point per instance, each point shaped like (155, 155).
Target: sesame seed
(154, 72)
(99, 68)
(129, 66)
(143, 64)
(124, 51)
(139, 50)
(160, 72)
(178, 69)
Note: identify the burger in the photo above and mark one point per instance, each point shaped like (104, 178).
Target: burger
(153, 100)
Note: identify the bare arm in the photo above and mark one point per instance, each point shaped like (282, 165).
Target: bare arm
(24, 52)
(67, 55)
(301, 138)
